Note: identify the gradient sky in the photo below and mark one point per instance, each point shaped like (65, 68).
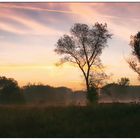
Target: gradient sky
(29, 32)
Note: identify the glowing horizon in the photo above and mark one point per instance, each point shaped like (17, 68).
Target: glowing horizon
(29, 32)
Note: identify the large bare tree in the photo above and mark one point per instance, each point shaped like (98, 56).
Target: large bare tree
(134, 61)
(83, 47)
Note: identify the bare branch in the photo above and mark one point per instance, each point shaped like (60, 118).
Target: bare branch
(134, 62)
(134, 66)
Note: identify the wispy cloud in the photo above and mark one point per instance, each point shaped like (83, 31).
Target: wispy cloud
(25, 7)
(33, 27)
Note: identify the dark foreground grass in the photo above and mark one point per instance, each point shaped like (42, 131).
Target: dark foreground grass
(98, 121)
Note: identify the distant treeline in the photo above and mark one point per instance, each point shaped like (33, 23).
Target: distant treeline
(119, 93)
(11, 93)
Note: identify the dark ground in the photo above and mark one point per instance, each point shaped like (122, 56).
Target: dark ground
(106, 120)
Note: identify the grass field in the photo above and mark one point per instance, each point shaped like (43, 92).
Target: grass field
(106, 120)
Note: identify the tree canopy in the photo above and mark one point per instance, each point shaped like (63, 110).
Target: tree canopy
(10, 91)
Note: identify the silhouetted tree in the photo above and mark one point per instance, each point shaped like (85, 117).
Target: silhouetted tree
(124, 81)
(10, 91)
(83, 47)
(134, 61)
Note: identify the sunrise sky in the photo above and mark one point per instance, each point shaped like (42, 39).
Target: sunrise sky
(29, 32)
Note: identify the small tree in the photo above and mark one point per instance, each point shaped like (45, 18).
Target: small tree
(83, 47)
(134, 61)
(98, 79)
(124, 81)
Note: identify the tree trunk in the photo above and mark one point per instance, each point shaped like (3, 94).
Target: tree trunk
(87, 80)
(87, 84)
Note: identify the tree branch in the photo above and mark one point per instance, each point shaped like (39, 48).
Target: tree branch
(94, 50)
(85, 52)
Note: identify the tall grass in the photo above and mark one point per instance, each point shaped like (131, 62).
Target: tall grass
(104, 120)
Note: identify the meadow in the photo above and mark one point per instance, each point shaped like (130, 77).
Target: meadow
(99, 121)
